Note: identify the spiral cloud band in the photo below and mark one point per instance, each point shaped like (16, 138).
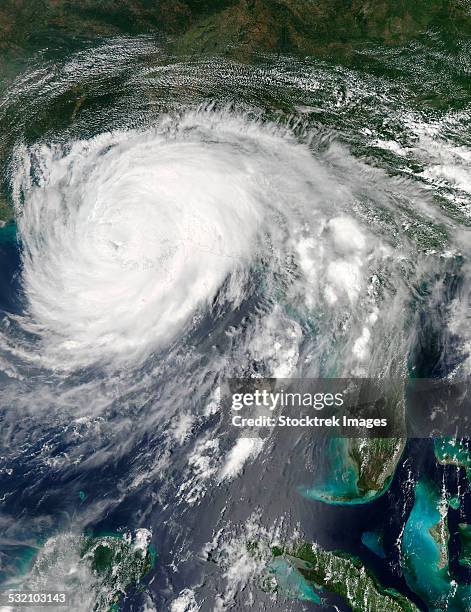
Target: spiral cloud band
(127, 235)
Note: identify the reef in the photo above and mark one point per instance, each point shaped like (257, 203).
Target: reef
(425, 552)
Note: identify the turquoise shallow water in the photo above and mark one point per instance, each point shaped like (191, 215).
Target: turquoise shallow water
(338, 485)
(426, 560)
(291, 583)
(372, 540)
(8, 232)
(334, 109)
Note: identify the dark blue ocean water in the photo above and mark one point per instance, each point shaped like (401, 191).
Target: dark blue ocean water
(64, 494)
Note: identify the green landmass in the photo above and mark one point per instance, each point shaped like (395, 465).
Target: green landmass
(236, 26)
(343, 575)
(117, 562)
(376, 460)
(93, 570)
(326, 28)
(360, 470)
(6, 212)
(375, 37)
(453, 451)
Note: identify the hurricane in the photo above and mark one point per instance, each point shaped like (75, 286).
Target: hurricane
(170, 220)
(179, 222)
